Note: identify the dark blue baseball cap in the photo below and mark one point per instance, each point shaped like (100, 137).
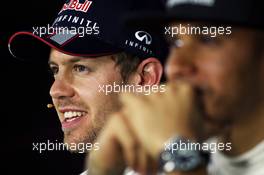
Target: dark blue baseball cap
(92, 28)
(243, 13)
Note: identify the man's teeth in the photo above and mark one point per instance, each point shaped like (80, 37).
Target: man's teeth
(71, 114)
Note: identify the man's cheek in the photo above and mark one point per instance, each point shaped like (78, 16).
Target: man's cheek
(58, 113)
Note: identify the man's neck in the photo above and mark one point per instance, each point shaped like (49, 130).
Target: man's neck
(246, 134)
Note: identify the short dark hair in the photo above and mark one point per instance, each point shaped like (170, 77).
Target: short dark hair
(127, 63)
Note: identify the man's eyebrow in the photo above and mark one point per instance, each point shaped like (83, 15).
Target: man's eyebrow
(51, 62)
(69, 61)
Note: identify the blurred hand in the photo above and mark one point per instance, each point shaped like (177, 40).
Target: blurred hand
(135, 136)
(157, 117)
(119, 149)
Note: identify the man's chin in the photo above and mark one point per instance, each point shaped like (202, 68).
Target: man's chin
(214, 121)
(78, 144)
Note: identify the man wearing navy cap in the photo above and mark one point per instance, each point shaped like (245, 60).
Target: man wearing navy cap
(91, 52)
(215, 91)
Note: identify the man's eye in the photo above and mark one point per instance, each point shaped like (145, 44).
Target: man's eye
(174, 42)
(206, 39)
(80, 68)
(53, 70)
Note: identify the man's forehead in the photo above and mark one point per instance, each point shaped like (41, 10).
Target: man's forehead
(65, 61)
(57, 57)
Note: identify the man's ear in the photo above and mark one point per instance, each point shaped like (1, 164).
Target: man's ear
(149, 72)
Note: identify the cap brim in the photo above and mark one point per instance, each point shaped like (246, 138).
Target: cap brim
(22, 44)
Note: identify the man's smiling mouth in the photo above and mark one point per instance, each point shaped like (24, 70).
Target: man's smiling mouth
(72, 115)
(72, 118)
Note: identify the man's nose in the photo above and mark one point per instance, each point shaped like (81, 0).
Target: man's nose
(180, 63)
(61, 88)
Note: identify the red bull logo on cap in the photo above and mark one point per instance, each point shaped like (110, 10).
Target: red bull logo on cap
(77, 6)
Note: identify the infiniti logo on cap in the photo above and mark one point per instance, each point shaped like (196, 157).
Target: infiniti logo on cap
(144, 36)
